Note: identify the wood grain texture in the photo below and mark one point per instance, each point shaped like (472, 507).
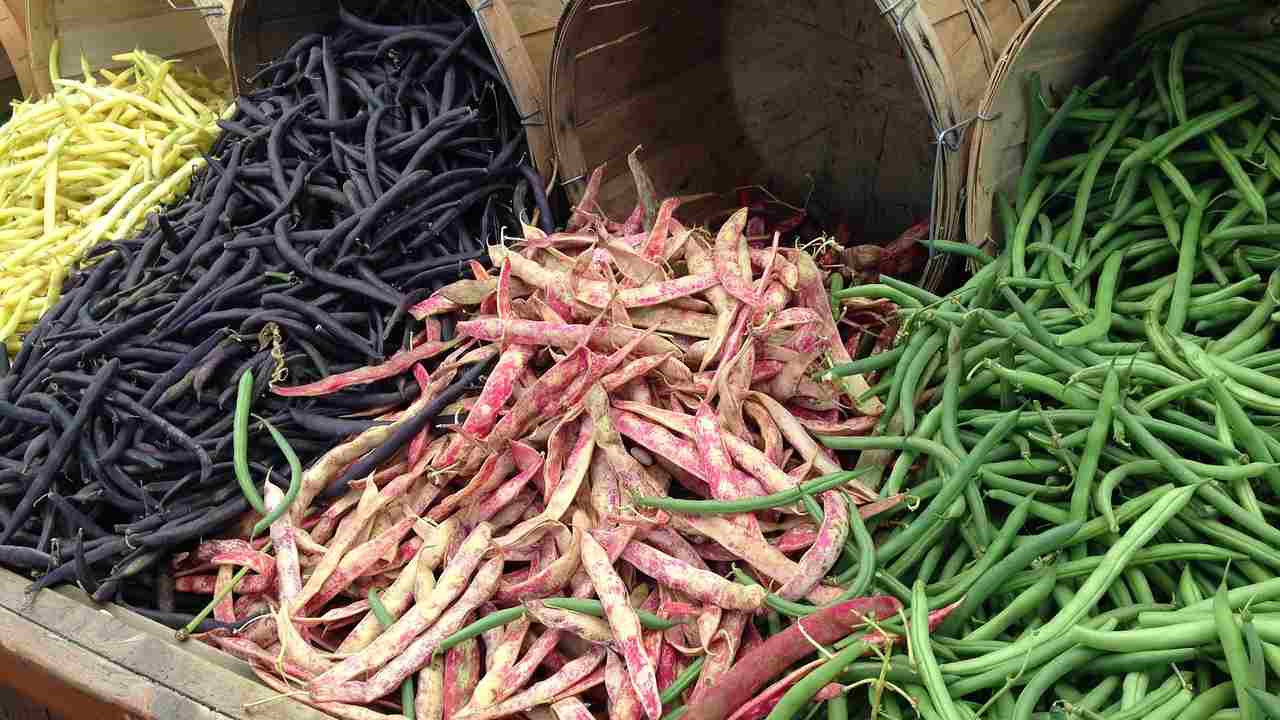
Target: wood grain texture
(107, 663)
(16, 706)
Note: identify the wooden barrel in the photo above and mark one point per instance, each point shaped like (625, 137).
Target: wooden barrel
(832, 101)
(519, 33)
(98, 29)
(13, 38)
(1065, 41)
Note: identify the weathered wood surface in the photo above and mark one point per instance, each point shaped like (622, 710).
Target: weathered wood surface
(107, 663)
(16, 706)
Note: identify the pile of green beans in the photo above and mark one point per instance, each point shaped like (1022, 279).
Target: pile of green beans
(1090, 423)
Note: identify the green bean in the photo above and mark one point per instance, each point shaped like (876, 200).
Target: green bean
(295, 482)
(1253, 439)
(996, 578)
(1164, 207)
(1106, 487)
(1021, 606)
(1266, 702)
(1233, 67)
(1097, 327)
(911, 379)
(1161, 146)
(1232, 642)
(1238, 598)
(1177, 82)
(1168, 552)
(682, 682)
(961, 475)
(1047, 675)
(1044, 511)
(1129, 189)
(752, 504)
(928, 298)
(502, 617)
(916, 342)
(1260, 381)
(1193, 128)
(1139, 660)
(913, 554)
(1097, 157)
(922, 649)
(1250, 345)
(1008, 218)
(957, 248)
(838, 708)
(1184, 475)
(803, 691)
(1036, 148)
(1233, 217)
(1229, 537)
(859, 582)
(947, 592)
(1120, 555)
(1174, 707)
(878, 291)
(1002, 482)
(1208, 702)
(185, 632)
(929, 565)
(1098, 433)
(240, 442)
(893, 442)
(1235, 172)
(488, 622)
(1180, 300)
(1253, 645)
(774, 622)
(1256, 319)
(951, 390)
(879, 361)
(1153, 700)
(385, 618)
(1025, 466)
(1044, 385)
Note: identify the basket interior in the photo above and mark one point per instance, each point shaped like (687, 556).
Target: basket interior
(814, 100)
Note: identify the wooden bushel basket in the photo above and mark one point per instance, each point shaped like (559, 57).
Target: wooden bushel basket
(519, 34)
(1065, 41)
(13, 38)
(98, 29)
(833, 101)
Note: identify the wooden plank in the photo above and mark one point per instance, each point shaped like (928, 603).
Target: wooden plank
(40, 31)
(85, 663)
(524, 80)
(540, 46)
(218, 23)
(16, 706)
(534, 16)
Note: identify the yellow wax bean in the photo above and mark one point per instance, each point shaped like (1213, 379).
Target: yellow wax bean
(51, 195)
(86, 164)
